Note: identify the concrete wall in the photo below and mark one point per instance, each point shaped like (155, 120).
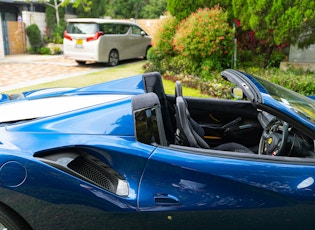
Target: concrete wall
(37, 18)
(302, 55)
(300, 59)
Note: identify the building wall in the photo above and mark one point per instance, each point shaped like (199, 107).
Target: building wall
(1, 41)
(37, 18)
(302, 55)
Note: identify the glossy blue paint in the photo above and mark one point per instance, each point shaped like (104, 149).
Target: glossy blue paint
(115, 118)
(205, 182)
(168, 186)
(270, 102)
(131, 85)
(3, 97)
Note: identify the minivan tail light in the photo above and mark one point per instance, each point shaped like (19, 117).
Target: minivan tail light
(95, 37)
(67, 36)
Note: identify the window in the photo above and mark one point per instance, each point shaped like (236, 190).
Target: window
(147, 126)
(136, 30)
(122, 29)
(108, 28)
(82, 28)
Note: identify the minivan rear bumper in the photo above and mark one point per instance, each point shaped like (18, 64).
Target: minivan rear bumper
(86, 53)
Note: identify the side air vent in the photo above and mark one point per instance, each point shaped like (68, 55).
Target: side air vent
(88, 168)
(93, 172)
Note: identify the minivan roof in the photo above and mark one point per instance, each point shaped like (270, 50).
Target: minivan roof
(100, 20)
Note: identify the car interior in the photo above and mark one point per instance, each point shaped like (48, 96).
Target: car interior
(226, 125)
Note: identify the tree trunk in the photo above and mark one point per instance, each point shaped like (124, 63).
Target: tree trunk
(269, 51)
(57, 12)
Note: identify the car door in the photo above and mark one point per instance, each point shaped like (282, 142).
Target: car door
(225, 120)
(139, 42)
(188, 188)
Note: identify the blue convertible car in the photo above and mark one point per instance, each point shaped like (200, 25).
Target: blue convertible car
(124, 155)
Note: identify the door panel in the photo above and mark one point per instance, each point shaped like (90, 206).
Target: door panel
(210, 186)
(226, 120)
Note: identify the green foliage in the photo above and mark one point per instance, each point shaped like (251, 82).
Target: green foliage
(90, 9)
(276, 58)
(276, 22)
(182, 9)
(206, 37)
(120, 8)
(296, 80)
(34, 36)
(44, 50)
(30, 50)
(57, 50)
(55, 32)
(163, 39)
(162, 50)
(180, 65)
(153, 9)
(199, 44)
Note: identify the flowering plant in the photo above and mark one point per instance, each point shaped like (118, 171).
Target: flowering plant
(205, 35)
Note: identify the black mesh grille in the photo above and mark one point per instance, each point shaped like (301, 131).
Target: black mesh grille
(93, 172)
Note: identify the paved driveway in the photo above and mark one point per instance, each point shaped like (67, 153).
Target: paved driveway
(23, 70)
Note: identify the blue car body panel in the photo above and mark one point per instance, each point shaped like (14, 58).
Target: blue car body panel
(167, 186)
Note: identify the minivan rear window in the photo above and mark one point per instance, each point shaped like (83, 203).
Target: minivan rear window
(82, 28)
(108, 28)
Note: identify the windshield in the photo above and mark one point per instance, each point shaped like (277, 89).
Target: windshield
(81, 28)
(297, 102)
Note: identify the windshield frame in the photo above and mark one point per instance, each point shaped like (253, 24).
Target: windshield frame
(295, 102)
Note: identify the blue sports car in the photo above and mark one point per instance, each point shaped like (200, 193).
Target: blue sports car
(125, 155)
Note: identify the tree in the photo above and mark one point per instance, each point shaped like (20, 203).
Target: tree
(85, 4)
(56, 4)
(135, 8)
(277, 21)
(153, 9)
(95, 9)
(182, 9)
(122, 8)
(125, 9)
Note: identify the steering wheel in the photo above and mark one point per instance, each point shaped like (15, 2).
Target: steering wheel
(274, 138)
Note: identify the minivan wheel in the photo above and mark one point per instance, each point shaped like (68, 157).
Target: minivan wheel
(80, 62)
(113, 58)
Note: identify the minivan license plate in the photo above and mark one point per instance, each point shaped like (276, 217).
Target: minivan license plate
(79, 42)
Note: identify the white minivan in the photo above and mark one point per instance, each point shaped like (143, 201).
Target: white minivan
(104, 40)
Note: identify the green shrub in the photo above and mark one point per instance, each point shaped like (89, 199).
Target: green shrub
(162, 44)
(206, 35)
(34, 36)
(275, 59)
(44, 50)
(30, 50)
(182, 65)
(163, 39)
(57, 50)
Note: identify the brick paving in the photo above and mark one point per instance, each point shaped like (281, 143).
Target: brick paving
(17, 70)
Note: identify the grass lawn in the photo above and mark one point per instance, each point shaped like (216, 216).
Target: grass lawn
(120, 71)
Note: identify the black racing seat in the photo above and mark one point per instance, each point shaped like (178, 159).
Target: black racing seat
(189, 133)
(153, 83)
